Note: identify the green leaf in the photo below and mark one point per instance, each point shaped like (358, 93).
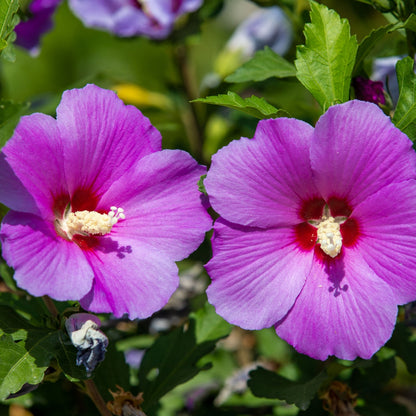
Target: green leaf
(8, 20)
(404, 346)
(264, 64)
(10, 113)
(201, 186)
(172, 360)
(324, 64)
(209, 325)
(255, 106)
(405, 115)
(367, 44)
(265, 383)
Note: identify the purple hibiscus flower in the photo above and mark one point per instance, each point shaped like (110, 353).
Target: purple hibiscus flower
(316, 234)
(99, 213)
(125, 18)
(29, 32)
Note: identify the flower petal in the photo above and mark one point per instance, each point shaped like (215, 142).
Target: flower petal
(129, 278)
(162, 204)
(103, 138)
(387, 223)
(44, 263)
(256, 274)
(276, 171)
(35, 154)
(344, 309)
(357, 150)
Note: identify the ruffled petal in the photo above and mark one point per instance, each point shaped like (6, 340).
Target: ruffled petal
(104, 139)
(344, 310)
(256, 274)
(44, 263)
(129, 278)
(357, 150)
(263, 181)
(35, 154)
(162, 204)
(387, 222)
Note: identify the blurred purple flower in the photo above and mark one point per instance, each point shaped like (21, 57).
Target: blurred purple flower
(316, 234)
(267, 27)
(126, 18)
(66, 180)
(134, 357)
(30, 31)
(367, 90)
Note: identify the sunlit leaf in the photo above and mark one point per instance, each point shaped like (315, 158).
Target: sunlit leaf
(324, 64)
(264, 64)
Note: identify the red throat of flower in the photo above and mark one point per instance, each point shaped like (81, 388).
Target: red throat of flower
(326, 227)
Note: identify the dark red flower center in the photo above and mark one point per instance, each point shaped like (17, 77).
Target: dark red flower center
(314, 213)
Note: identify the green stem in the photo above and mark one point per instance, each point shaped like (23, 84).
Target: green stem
(191, 122)
(96, 397)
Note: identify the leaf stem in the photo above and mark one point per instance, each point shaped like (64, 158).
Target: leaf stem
(96, 397)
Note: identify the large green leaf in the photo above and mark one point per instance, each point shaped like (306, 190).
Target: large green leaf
(405, 115)
(265, 383)
(264, 64)
(10, 113)
(255, 106)
(324, 64)
(172, 360)
(404, 345)
(8, 20)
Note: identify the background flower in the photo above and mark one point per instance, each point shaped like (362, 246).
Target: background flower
(151, 18)
(30, 31)
(310, 239)
(66, 180)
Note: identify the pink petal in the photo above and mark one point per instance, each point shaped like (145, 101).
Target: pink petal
(103, 138)
(129, 278)
(162, 204)
(44, 263)
(344, 309)
(387, 223)
(256, 274)
(276, 174)
(35, 154)
(357, 150)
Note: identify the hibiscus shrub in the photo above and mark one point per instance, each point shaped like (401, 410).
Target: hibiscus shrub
(207, 207)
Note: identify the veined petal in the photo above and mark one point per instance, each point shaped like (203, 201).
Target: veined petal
(35, 154)
(387, 224)
(129, 278)
(104, 138)
(44, 263)
(162, 203)
(357, 150)
(344, 309)
(256, 274)
(263, 181)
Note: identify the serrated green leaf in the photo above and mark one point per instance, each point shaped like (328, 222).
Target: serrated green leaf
(10, 113)
(8, 20)
(264, 64)
(173, 358)
(324, 64)
(405, 115)
(265, 383)
(255, 106)
(367, 44)
(209, 325)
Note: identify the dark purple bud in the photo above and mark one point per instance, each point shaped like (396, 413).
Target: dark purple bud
(367, 90)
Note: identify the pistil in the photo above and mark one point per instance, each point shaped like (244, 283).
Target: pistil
(329, 237)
